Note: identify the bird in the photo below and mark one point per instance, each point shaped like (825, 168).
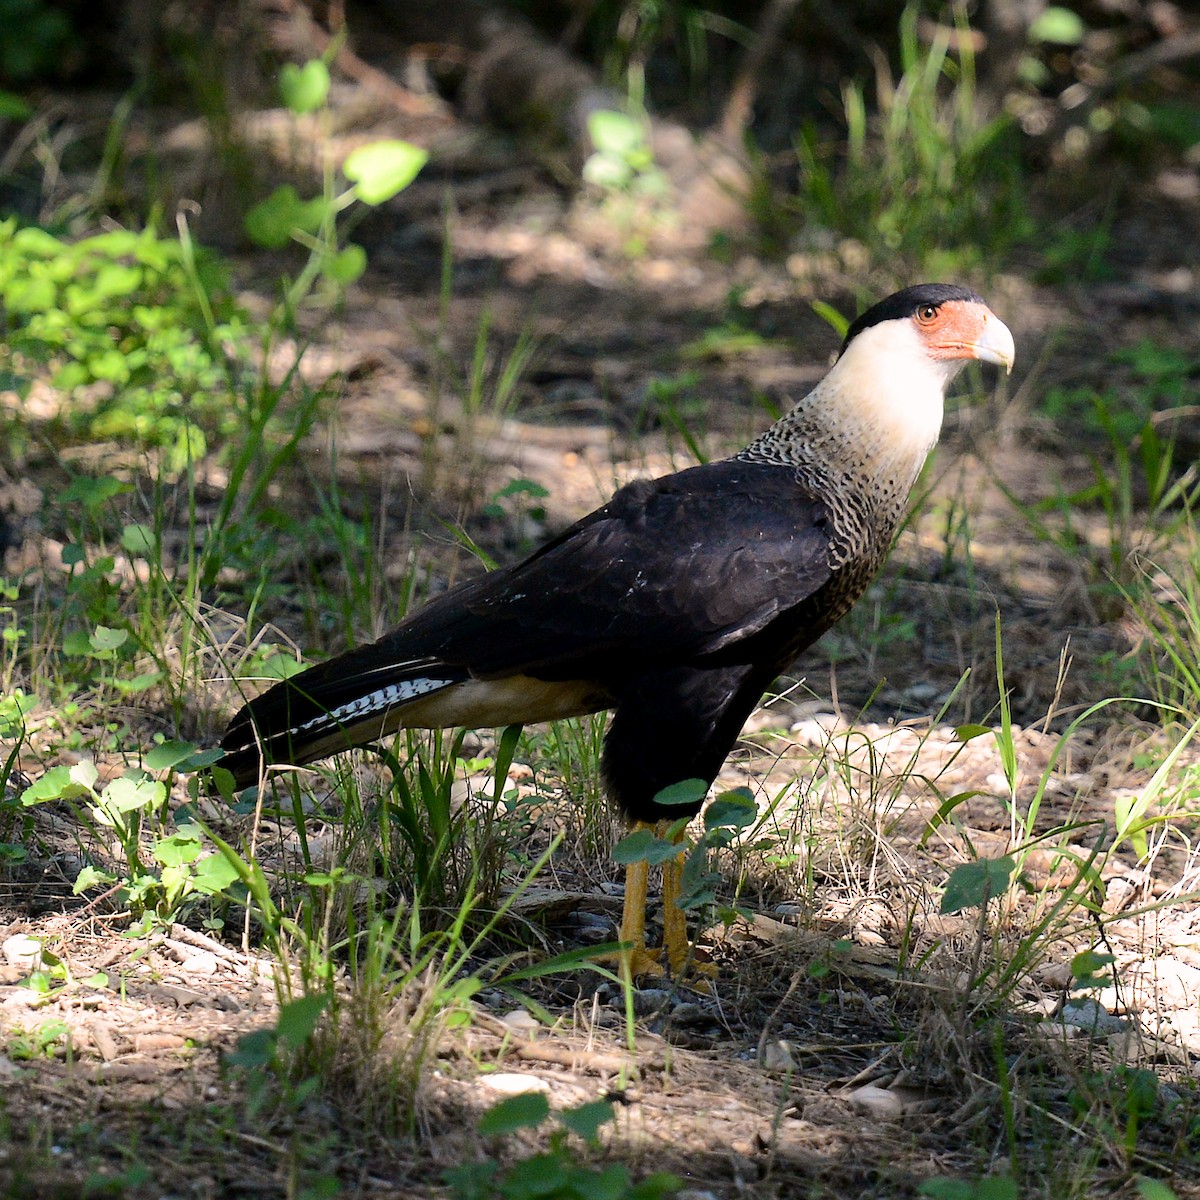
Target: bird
(675, 605)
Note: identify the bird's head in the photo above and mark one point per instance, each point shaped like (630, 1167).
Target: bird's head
(935, 327)
(881, 403)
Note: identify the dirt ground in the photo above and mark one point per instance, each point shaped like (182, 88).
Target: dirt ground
(840, 1050)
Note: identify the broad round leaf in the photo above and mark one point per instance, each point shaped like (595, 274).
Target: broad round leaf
(523, 1111)
(138, 540)
(304, 88)
(167, 754)
(381, 169)
(1058, 25)
(347, 265)
(270, 222)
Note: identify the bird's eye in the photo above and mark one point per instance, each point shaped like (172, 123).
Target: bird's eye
(927, 313)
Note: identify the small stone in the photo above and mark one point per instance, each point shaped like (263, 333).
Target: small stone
(876, 1100)
(777, 1056)
(202, 963)
(150, 1043)
(521, 1020)
(510, 1083)
(1091, 1017)
(22, 951)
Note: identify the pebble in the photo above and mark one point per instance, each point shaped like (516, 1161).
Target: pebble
(1090, 1016)
(203, 963)
(510, 1083)
(876, 1100)
(22, 951)
(521, 1021)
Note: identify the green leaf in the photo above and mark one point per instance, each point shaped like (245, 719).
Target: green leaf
(687, 791)
(966, 733)
(607, 172)
(138, 540)
(658, 1186)
(347, 265)
(472, 1181)
(945, 809)
(1124, 808)
(830, 315)
(13, 108)
(279, 665)
(76, 644)
(299, 1018)
(254, 1050)
(126, 794)
(973, 884)
(166, 755)
(586, 1120)
(1154, 1189)
(1089, 968)
(61, 783)
(947, 1189)
(201, 759)
(139, 683)
(1058, 25)
(1141, 1091)
(179, 849)
(304, 88)
(271, 222)
(91, 877)
(642, 846)
(212, 875)
(734, 809)
(997, 1187)
(104, 640)
(614, 133)
(542, 1175)
(605, 1183)
(525, 1111)
(381, 169)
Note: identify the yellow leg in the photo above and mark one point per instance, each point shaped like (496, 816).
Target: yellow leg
(675, 938)
(637, 960)
(640, 959)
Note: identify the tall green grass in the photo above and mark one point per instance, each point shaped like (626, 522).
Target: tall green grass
(917, 176)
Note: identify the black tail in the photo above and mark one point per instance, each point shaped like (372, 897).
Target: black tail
(349, 701)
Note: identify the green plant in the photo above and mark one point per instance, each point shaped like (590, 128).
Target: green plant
(42, 1041)
(374, 174)
(990, 1187)
(556, 1173)
(129, 329)
(929, 178)
(634, 191)
(1166, 602)
(1147, 495)
(154, 888)
(725, 819)
(273, 1066)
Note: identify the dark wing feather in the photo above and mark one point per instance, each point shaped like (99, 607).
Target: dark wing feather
(668, 571)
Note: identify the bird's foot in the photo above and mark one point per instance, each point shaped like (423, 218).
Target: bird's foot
(650, 962)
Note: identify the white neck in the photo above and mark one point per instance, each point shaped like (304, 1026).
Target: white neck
(866, 418)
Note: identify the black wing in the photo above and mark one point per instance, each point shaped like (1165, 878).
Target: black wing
(668, 571)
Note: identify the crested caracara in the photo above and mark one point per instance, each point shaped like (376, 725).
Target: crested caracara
(676, 603)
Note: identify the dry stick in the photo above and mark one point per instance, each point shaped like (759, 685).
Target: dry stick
(744, 90)
(361, 72)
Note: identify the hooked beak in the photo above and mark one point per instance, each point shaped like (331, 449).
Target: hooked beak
(995, 344)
